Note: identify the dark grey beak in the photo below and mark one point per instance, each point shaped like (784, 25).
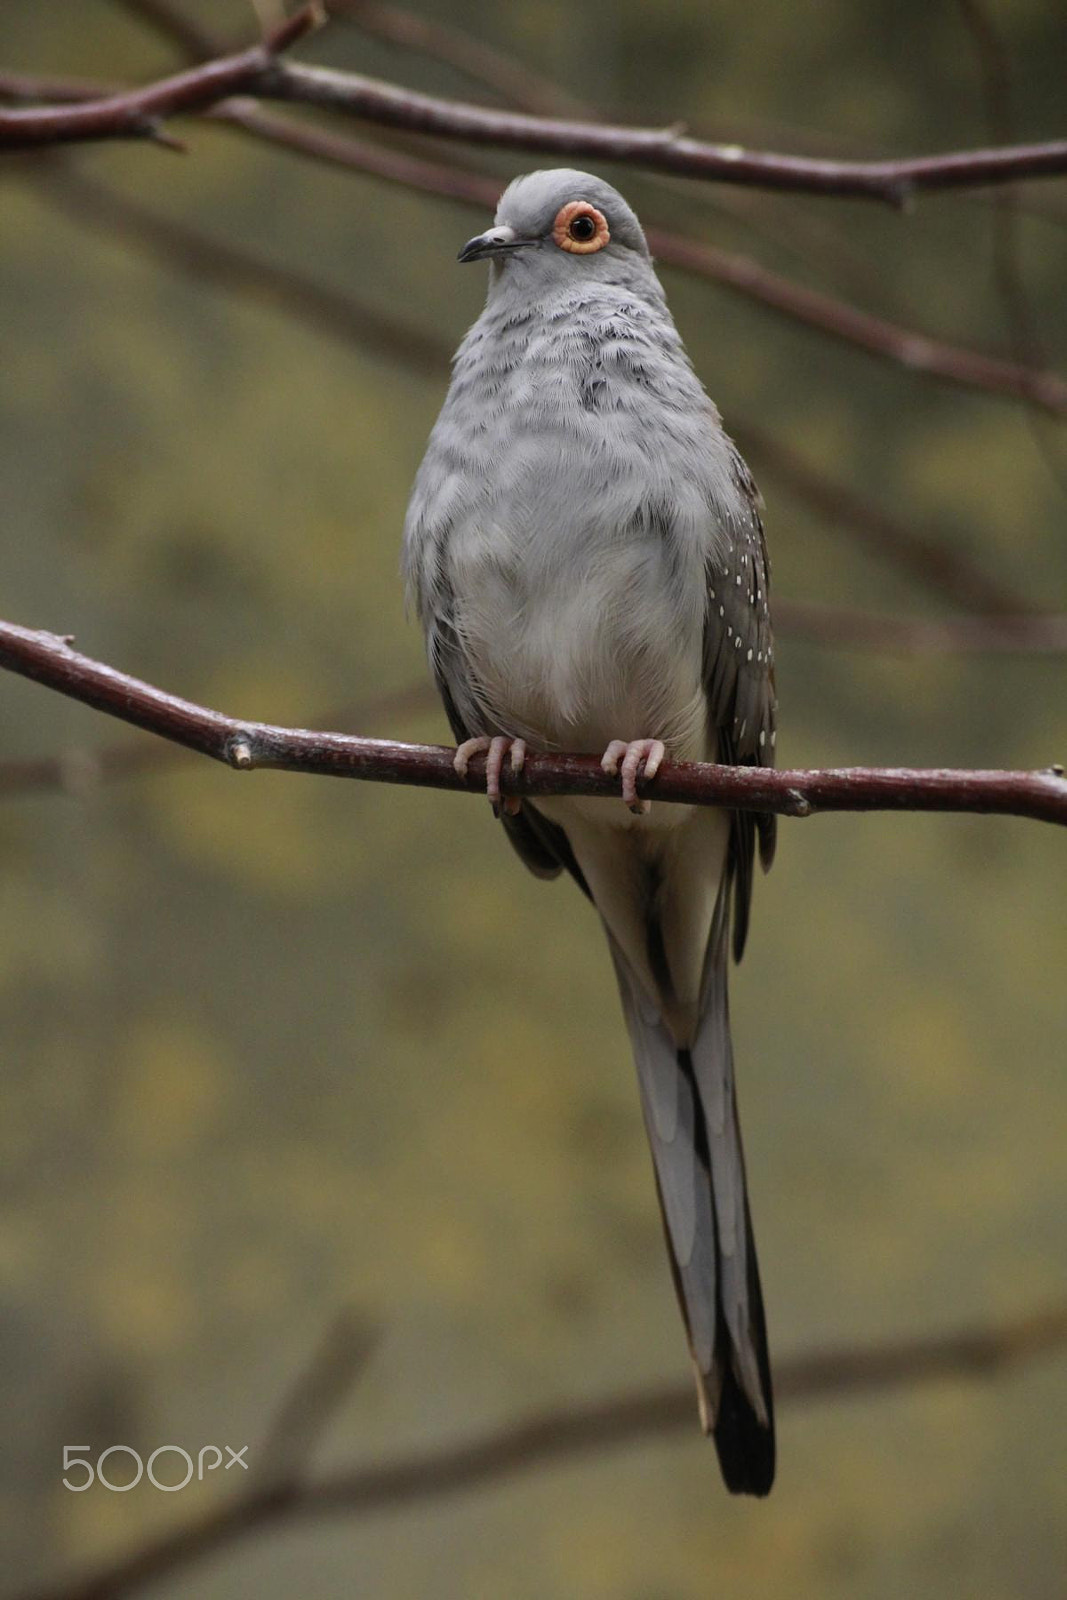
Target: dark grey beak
(495, 242)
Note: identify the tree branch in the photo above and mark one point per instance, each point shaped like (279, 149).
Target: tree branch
(78, 771)
(373, 329)
(1026, 633)
(1027, 343)
(932, 561)
(137, 113)
(50, 660)
(260, 71)
(614, 1423)
(826, 314)
(926, 556)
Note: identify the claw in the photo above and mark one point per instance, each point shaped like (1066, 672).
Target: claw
(634, 754)
(495, 750)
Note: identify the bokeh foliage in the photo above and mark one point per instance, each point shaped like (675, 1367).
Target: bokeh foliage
(276, 1044)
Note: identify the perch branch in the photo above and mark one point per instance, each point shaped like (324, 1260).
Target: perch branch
(80, 772)
(580, 1430)
(50, 660)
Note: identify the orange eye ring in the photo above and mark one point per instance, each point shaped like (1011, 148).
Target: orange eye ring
(580, 228)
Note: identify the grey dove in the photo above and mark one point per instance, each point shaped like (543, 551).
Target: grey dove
(584, 550)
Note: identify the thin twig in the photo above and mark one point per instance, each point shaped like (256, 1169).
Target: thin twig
(1027, 633)
(307, 1411)
(923, 554)
(512, 81)
(173, 25)
(834, 317)
(138, 113)
(578, 1431)
(375, 330)
(50, 660)
(1027, 343)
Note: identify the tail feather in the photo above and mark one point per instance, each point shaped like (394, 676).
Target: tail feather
(691, 1118)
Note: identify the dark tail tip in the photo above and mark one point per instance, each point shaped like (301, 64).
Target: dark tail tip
(745, 1447)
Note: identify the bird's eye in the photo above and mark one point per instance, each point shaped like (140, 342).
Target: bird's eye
(580, 228)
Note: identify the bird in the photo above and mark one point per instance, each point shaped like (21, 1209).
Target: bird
(585, 552)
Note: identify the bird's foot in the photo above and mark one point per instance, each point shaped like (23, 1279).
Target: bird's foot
(495, 750)
(637, 756)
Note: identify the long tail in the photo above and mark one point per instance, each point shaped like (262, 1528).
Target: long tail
(691, 1117)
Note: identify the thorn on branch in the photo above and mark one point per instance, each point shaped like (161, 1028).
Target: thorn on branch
(157, 131)
(239, 754)
(307, 20)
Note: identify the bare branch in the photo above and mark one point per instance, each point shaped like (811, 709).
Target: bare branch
(617, 1422)
(1029, 633)
(79, 772)
(373, 329)
(919, 352)
(50, 660)
(826, 314)
(308, 1410)
(924, 555)
(662, 149)
(137, 113)
(259, 70)
(836, 318)
(1027, 343)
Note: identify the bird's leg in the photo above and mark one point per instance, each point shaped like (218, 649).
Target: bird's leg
(495, 751)
(634, 754)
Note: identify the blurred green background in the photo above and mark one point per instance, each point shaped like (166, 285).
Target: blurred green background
(276, 1045)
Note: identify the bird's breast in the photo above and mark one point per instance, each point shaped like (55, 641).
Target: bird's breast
(579, 633)
(576, 564)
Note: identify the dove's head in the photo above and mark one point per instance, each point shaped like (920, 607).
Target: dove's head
(554, 227)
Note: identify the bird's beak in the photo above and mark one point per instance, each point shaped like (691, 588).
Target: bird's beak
(495, 242)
